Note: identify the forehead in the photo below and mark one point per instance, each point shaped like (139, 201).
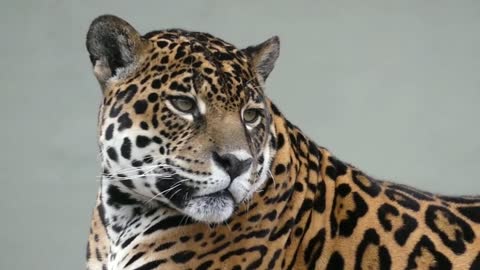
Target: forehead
(180, 59)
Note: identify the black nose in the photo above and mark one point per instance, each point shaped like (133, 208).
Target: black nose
(231, 164)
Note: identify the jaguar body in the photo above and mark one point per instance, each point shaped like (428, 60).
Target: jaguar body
(202, 171)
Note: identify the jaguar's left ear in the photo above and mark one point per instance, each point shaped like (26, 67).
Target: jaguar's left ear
(263, 56)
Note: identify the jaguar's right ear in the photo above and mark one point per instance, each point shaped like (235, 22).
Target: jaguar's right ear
(114, 45)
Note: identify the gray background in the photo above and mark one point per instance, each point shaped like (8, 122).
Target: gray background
(391, 87)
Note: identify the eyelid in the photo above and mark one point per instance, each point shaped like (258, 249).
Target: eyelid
(259, 107)
(170, 102)
(182, 96)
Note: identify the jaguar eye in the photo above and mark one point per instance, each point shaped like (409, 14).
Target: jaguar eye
(250, 116)
(183, 104)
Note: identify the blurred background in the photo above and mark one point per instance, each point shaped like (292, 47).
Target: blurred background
(390, 86)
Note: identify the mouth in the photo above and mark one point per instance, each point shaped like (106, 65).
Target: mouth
(225, 193)
(215, 207)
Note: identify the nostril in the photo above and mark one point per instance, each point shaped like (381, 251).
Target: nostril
(231, 164)
(222, 161)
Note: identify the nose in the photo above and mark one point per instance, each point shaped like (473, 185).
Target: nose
(231, 164)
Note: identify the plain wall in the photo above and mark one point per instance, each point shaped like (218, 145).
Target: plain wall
(390, 86)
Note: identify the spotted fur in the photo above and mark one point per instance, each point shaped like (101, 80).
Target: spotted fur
(205, 188)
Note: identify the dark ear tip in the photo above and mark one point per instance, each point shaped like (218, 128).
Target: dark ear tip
(104, 31)
(274, 43)
(275, 39)
(106, 18)
(102, 23)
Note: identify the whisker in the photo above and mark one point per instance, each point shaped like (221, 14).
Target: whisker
(177, 184)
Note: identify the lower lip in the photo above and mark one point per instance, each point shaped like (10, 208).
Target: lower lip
(218, 194)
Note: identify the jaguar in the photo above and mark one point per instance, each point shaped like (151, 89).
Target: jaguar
(200, 170)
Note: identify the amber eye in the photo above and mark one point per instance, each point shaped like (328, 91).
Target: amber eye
(250, 116)
(183, 104)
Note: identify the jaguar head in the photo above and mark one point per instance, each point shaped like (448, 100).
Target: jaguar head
(184, 121)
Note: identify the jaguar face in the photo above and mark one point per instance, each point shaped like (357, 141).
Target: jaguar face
(184, 119)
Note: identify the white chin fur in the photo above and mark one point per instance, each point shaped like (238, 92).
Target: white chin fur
(210, 210)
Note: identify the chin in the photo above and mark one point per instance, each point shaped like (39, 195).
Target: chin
(210, 209)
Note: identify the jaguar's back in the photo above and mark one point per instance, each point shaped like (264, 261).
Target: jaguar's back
(202, 171)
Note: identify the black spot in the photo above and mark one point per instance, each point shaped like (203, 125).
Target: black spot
(164, 246)
(271, 215)
(346, 226)
(157, 139)
(254, 234)
(280, 141)
(221, 56)
(126, 148)
(137, 163)
(144, 125)
(371, 237)
(286, 228)
(337, 168)
(142, 141)
(383, 211)
(128, 241)
(144, 80)
(343, 190)
(134, 258)
(128, 183)
(401, 234)
(205, 266)
(319, 202)
(198, 237)
(314, 249)
(109, 132)
(184, 238)
(476, 263)
(124, 121)
(367, 185)
(115, 110)
(130, 92)
(162, 44)
(402, 199)
(148, 159)
(279, 169)
(152, 97)
(471, 212)
(336, 262)
(409, 225)
(298, 186)
(216, 250)
(273, 260)
(156, 84)
(180, 53)
(183, 256)
(118, 197)
(463, 231)
(112, 154)
(208, 70)
(167, 223)
(151, 265)
(254, 218)
(218, 239)
(241, 251)
(140, 106)
(440, 261)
